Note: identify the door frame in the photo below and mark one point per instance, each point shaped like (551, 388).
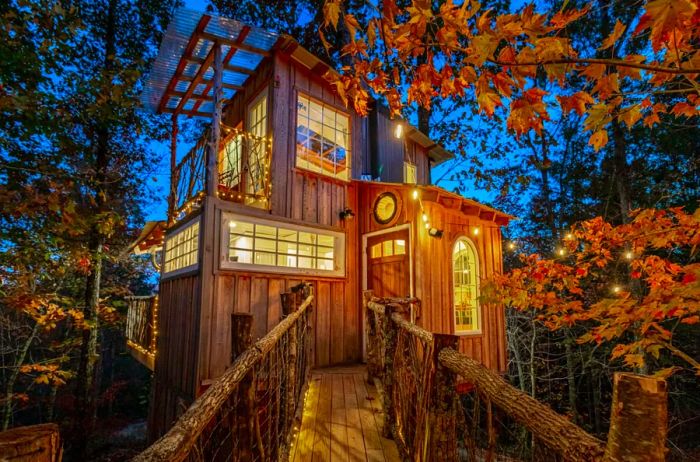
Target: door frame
(405, 226)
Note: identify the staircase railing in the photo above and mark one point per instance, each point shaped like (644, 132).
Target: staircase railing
(248, 413)
(494, 421)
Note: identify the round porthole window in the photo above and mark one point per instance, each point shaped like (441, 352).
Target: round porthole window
(385, 208)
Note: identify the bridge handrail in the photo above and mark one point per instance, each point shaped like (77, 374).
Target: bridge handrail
(177, 443)
(549, 428)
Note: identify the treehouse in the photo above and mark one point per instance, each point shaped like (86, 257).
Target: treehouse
(288, 185)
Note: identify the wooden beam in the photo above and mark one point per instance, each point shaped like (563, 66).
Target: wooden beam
(212, 172)
(168, 110)
(241, 36)
(470, 209)
(229, 86)
(201, 25)
(182, 94)
(197, 79)
(227, 67)
(486, 215)
(234, 44)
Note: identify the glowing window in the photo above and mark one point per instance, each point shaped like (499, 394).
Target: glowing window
(465, 280)
(281, 247)
(181, 249)
(323, 139)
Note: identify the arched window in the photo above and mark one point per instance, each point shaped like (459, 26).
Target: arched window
(465, 284)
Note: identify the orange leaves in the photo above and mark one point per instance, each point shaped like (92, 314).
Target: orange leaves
(331, 13)
(528, 112)
(576, 102)
(601, 257)
(614, 36)
(564, 18)
(598, 139)
(488, 99)
(666, 18)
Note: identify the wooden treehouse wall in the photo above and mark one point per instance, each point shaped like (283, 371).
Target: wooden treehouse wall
(432, 266)
(174, 385)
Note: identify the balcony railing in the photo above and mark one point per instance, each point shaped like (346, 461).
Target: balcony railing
(142, 328)
(243, 165)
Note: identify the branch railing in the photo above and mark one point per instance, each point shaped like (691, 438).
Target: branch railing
(243, 172)
(141, 323)
(248, 413)
(494, 421)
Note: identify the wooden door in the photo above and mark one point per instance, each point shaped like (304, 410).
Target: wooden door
(388, 272)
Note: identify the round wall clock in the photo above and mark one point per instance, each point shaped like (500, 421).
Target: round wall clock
(385, 208)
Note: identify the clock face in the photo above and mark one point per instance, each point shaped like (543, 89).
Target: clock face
(385, 208)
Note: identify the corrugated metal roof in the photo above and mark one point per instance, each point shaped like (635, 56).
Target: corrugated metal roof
(176, 42)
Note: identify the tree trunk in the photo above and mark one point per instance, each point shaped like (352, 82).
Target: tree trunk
(10, 386)
(571, 379)
(638, 421)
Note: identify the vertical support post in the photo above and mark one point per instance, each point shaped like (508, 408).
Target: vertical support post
(442, 410)
(373, 363)
(390, 334)
(212, 175)
(240, 420)
(290, 306)
(174, 174)
(639, 419)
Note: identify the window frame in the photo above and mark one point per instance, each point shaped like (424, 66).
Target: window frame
(470, 244)
(181, 230)
(339, 254)
(349, 148)
(247, 174)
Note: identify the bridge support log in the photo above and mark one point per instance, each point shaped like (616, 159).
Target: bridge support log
(442, 410)
(390, 334)
(638, 421)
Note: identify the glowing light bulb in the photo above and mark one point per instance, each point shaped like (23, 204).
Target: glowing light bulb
(616, 289)
(629, 255)
(427, 226)
(425, 217)
(569, 236)
(511, 245)
(475, 231)
(415, 194)
(398, 130)
(561, 252)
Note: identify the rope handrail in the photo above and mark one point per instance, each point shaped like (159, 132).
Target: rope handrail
(180, 439)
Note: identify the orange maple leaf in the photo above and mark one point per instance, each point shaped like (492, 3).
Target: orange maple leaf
(614, 36)
(598, 139)
(576, 102)
(664, 17)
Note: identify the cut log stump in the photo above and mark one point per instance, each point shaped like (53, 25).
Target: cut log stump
(35, 443)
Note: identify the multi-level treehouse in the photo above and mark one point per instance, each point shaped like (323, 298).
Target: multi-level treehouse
(289, 185)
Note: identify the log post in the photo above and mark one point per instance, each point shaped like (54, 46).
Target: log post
(241, 333)
(639, 419)
(390, 333)
(373, 363)
(242, 340)
(35, 443)
(442, 407)
(289, 306)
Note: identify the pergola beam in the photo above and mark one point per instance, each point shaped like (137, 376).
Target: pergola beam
(235, 44)
(227, 67)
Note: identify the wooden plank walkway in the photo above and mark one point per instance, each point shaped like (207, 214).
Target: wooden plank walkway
(342, 420)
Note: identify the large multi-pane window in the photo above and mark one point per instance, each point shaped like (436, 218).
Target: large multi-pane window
(259, 244)
(257, 149)
(465, 280)
(323, 139)
(181, 249)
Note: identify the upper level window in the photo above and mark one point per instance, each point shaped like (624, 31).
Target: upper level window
(409, 173)
(266, 245)
(323, 139)
(257, 149)
(182, 248)
(465, 282)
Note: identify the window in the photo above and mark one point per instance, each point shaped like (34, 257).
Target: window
(409, 173)
(323, 139)
(232, 157)
(388, 248)
(181, 249)
(282, 248)
(257, 150)
(465, 280)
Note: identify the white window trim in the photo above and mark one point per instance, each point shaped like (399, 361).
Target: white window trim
(477, 331)
(188, 268)
(338, 249)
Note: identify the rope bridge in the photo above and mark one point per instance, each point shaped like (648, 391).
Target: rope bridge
(248, 413)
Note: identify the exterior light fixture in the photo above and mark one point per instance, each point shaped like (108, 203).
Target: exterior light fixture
(434, 232)
(425, 217)
(347, 214)
(475, 231)
(398, 130)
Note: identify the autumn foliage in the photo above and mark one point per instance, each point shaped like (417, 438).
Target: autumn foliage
(631, 284)
(414, 54)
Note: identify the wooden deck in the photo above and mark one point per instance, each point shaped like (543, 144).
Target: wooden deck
(342, 420)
